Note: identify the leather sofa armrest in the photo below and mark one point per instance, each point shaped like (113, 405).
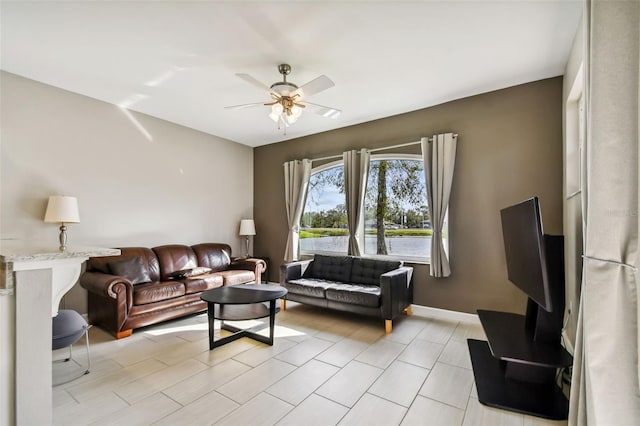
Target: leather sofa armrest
(293, 270)
(396, 290)
(258, 266)
(106, 285)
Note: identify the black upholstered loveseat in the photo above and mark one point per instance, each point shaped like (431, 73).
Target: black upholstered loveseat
(379, 288)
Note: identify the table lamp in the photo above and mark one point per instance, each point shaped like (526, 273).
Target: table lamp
(247, 227)
(62, 209)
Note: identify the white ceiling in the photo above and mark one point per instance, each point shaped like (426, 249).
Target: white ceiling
(177, 60)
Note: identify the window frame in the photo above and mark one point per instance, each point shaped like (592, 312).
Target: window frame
(406, 258)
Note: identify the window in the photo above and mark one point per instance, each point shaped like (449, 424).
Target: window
(396, 218)
(397, 221)
(324, 221)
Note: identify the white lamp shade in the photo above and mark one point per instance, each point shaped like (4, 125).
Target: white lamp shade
(247, 227)
(62, 209)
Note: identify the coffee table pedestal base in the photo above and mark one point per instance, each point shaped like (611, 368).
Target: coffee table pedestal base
(241, 313)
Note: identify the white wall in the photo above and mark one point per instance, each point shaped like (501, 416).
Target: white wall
(139, 180)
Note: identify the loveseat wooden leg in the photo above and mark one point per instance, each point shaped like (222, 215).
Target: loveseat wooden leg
(124, 333)
(283, 304)
(387, 326)
(408, 310)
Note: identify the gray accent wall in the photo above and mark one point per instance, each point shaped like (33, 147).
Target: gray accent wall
(509, 149)
(139, 180)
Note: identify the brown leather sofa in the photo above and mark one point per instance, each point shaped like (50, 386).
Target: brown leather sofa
(144, 286)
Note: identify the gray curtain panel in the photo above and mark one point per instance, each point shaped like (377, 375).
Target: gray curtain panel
(296, 182)
(356, 173)
(605, 384)
(439, 157)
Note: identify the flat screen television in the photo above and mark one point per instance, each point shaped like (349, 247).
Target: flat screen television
(535, 264)
(525, 250)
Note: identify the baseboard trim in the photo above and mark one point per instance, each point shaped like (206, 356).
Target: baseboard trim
(444, 314)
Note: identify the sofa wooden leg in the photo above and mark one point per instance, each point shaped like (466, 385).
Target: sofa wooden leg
(408, 310)
(283, 304)
(124, 333)
(387, 326)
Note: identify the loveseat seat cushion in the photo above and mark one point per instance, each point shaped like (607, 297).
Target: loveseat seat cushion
(364, 295)
(330, 268)
(368, 271)
(200, 283)
(157, 291)
(311, 287)
(216, 256)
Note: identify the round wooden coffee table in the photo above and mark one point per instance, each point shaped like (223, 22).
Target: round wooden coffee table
(238, 303)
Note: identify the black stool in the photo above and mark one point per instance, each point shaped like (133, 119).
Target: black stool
(68, 328)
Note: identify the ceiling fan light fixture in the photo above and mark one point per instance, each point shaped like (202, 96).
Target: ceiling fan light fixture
(290, 119)
(296, 111)
(275, 117)
(277, 108)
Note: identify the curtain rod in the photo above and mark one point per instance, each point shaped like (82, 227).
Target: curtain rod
(401, 145)
(384, 148)
(331, 157)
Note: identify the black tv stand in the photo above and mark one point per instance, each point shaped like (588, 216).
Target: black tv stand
(515, 369)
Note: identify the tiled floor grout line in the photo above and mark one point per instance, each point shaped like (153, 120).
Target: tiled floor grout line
(177, 402)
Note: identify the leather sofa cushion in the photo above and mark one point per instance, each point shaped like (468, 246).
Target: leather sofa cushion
(236, 276)
(309, 287)
(216, 256)
(131, 268)
(157, 291)
(330, 268)
(149, 259)
(368, 271)
(174, 257)
(202, 283)
(364, 295)
(141, 315)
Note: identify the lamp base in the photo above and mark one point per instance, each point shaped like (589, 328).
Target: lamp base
(63, 237)
(246, 246)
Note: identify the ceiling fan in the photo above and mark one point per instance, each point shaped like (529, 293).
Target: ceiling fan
(288, 100)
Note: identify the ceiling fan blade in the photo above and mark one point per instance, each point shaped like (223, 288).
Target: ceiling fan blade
(314, 86)
(323, 110)
(254, 82)
(243, 106)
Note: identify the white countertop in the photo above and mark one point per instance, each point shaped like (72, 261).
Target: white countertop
(18, 255)
(25, 251)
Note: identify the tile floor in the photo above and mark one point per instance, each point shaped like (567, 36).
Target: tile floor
(325, 368)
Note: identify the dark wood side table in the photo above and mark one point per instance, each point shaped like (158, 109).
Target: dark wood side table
(238, 303)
